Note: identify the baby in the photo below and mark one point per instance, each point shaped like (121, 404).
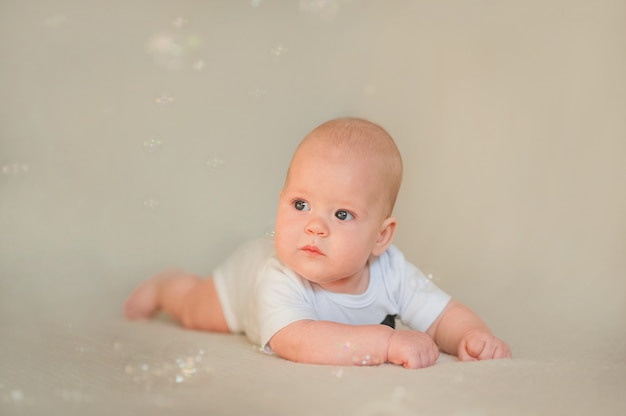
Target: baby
(320, 289)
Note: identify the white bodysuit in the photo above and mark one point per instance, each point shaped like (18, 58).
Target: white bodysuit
(260, 295)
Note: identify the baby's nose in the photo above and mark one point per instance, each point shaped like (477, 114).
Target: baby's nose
(317, 226)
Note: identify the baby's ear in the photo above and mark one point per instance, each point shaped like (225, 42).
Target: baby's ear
(385, 236)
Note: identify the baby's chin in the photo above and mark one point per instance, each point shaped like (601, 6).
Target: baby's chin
(314, 273)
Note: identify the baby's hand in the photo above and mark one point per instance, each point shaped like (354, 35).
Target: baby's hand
(480, 345)
(412, 349)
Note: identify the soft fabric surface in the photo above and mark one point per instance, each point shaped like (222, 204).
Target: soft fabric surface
(99, 367)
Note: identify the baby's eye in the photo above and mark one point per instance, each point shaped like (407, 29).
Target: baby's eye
(301, 205)
(344, 215)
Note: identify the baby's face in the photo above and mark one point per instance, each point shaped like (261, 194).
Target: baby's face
(330, 214)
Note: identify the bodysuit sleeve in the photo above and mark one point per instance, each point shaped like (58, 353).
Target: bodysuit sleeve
(282, 298)
(420, 301)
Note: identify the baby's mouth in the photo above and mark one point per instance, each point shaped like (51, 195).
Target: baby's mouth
(314, 250)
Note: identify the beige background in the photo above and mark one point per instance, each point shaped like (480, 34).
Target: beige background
(140, 135)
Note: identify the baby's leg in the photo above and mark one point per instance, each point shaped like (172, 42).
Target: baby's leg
(188, 298)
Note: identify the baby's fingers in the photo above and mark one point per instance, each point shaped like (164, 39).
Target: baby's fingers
(412, 349)
(501, 350)
(422, 359)
(493, 349)
(470, 350)
(483, 347)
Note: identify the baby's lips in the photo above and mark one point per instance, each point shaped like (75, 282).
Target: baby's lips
(312, 250)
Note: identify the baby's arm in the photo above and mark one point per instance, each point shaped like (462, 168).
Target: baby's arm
(459, 331)
(324, 342)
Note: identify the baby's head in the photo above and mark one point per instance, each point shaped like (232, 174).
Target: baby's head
(346, 139)
(334, 211)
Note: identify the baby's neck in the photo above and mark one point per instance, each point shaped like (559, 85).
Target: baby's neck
(353, 285)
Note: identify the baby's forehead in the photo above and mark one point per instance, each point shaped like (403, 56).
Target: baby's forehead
(348, 140)
(339, 165)
(353, 186)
